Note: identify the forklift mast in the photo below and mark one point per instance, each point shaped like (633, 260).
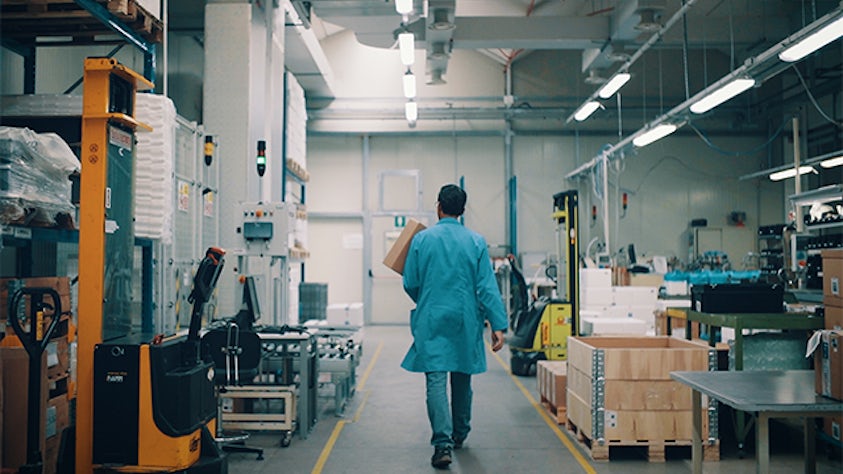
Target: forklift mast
(565, 214)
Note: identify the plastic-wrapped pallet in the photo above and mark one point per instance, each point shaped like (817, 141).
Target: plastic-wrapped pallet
(155, 155)
(34, 171)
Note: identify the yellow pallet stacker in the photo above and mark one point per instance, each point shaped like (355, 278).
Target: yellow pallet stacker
(541, 329)
(144, 402)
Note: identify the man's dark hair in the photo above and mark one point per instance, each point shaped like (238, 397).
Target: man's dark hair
(452, 200)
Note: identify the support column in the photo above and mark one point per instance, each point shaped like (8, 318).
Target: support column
(243, 103)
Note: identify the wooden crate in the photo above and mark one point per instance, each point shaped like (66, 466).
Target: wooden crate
(620, 391)
(552, 380)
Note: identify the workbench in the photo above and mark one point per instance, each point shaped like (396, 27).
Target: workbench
(765, 395)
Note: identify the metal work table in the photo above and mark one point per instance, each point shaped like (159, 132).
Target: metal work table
(765, 394)
(741, 321)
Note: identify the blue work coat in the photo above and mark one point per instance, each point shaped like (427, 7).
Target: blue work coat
(448, 274)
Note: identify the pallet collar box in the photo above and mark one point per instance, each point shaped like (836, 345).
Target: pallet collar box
(620, 391)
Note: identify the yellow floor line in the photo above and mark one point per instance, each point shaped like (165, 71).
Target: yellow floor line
(360, 408)
(552, 424)
(368, 372)
(335, 434)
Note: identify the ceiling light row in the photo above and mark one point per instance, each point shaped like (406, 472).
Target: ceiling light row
(800, 48)
(802, 43)
(407, 51)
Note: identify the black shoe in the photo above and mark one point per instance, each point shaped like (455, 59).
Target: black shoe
(458, 443)
(441, 458)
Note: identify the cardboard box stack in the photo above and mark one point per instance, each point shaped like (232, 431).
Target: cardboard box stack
(56, 389)
(828, 358)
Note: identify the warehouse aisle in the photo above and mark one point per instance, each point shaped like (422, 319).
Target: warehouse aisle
(385, 430)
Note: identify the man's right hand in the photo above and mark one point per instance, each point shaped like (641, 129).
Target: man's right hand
(497, 340)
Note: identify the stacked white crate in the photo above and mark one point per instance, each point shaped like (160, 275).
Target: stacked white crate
(607, 309)
(155, 155)
(296, 122)
(345, 314)
(638, 302)
(297, 152)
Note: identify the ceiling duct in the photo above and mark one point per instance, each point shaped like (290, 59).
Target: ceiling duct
(439, 38)
(649, 20)
(595, 76)
(438, 51)
(435, 78)
(442, 19)
(629, 19)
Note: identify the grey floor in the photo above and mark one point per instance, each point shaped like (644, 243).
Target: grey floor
(385, 430)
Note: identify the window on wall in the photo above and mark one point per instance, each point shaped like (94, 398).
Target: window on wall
(400, 190)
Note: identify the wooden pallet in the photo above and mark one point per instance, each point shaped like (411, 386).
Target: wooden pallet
(24, 20)
(653, 450)
(557, 414)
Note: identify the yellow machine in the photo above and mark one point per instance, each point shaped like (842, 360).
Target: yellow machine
(144, 404)
(541, 330)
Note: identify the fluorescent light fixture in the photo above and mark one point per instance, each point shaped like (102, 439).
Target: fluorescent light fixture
(586, 110)
(656, 133)
(403, 7)
(832, 162)
(411, 111)
(813, 41)
(409, 85)
(615, 83)
(407, 48)
(717, 97)
(790, 172)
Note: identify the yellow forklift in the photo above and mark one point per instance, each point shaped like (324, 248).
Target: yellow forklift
(145, 402)
(541, 328)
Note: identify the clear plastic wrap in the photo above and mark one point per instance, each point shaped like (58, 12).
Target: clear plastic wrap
(34, 176)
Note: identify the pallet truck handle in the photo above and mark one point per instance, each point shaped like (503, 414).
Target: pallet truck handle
(34, 341)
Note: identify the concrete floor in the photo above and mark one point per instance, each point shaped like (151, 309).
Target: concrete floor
(385, 430)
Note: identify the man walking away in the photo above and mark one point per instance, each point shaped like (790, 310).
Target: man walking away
(449, 276)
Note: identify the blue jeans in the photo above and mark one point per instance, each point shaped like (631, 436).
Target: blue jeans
(448, 423)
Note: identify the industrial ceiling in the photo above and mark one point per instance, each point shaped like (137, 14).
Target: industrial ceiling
(557, 53)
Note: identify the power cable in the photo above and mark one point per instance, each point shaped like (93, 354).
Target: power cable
(714, 147)
(813, 100)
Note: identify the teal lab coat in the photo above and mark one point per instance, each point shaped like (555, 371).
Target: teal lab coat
(448, 274)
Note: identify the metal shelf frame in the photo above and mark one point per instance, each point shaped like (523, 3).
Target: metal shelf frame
(109, 20)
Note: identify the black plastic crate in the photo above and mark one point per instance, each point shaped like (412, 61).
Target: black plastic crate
(738, 298)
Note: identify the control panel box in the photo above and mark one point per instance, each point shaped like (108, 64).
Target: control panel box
(265, 227)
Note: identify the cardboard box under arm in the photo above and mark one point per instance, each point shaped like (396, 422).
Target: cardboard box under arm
(398, 253)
